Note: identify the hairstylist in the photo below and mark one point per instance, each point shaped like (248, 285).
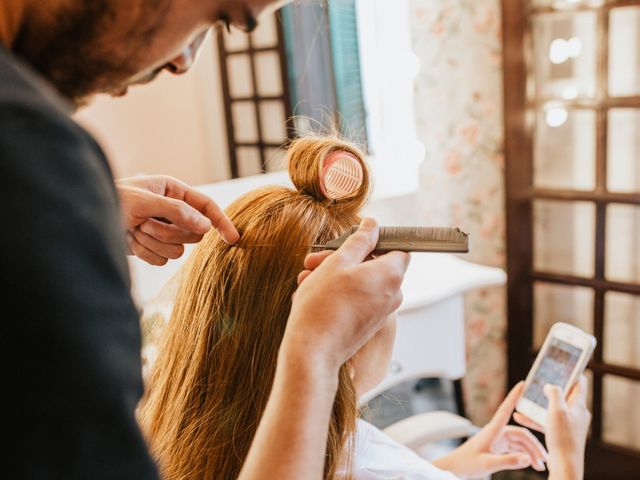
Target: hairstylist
(71, 347)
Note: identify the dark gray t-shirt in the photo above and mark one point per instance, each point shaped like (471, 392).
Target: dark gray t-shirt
(69, 328)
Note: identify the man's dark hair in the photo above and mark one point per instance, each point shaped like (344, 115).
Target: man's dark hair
(76, 51)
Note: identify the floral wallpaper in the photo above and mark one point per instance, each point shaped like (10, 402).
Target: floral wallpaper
(459, 120)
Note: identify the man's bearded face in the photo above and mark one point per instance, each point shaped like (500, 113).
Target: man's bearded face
(91, 46)
(105, 46)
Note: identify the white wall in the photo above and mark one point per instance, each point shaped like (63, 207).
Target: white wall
(174, 126)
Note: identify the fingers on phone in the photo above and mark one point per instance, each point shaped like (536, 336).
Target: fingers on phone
(502, 415)
(523, 440)
(527, 422)
(579, 391)
(554, 395)
(517, 390)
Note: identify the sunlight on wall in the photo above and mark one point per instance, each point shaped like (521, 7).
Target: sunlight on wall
(173, 126)
(389, 70)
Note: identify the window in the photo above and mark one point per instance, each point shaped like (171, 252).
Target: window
(344, 63)
(324, 67)
(255, 92)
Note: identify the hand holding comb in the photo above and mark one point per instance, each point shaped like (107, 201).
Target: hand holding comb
(411, 239)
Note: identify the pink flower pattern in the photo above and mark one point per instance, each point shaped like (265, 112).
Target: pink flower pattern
(459, 120)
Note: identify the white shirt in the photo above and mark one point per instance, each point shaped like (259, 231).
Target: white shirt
(379, 457)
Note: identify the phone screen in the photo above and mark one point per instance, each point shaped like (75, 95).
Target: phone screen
(555, 368)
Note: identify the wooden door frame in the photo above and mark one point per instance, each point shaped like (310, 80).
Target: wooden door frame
(285, 97)
(603, 460)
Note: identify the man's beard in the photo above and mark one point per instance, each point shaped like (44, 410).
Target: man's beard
(79, 52)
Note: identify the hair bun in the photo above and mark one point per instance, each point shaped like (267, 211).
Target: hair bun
(329, 170)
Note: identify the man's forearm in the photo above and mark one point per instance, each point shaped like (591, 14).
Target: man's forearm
(291, 439)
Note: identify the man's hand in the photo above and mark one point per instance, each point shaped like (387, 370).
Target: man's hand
(162, 214)
(567, 428)
(497, 446)
(342, 300)
(340, 304)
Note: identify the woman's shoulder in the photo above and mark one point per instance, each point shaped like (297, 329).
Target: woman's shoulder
(377, 456)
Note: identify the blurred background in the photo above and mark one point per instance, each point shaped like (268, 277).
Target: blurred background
(518, 121)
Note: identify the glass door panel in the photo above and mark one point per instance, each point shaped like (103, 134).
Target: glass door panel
(266, 33)
(563, 240)
(560, 303)
(267, 79)
(622, 329)
(255, 91)
(274, 121)
(623, 150)
(245, 124)
(621, 425)
(572, 110)
(239, 68)
(249, 161)
(564, 149)
(623, 243)
(624, 51)
(234, 41)
(565, 55)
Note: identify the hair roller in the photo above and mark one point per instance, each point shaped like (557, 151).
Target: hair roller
(332, 171)
(341, 175)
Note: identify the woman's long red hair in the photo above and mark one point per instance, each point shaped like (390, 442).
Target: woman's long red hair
(210, 383)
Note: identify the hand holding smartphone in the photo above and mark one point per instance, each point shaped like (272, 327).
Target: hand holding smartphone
(561, 360)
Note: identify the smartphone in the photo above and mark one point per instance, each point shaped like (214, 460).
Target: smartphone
(561, 360)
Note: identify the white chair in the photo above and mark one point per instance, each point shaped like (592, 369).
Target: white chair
(430, 339)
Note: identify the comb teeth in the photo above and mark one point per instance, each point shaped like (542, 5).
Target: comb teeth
(341, 175)
(436, 234)
(414, 239)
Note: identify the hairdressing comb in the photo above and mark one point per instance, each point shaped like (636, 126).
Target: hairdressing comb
(411, 239)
